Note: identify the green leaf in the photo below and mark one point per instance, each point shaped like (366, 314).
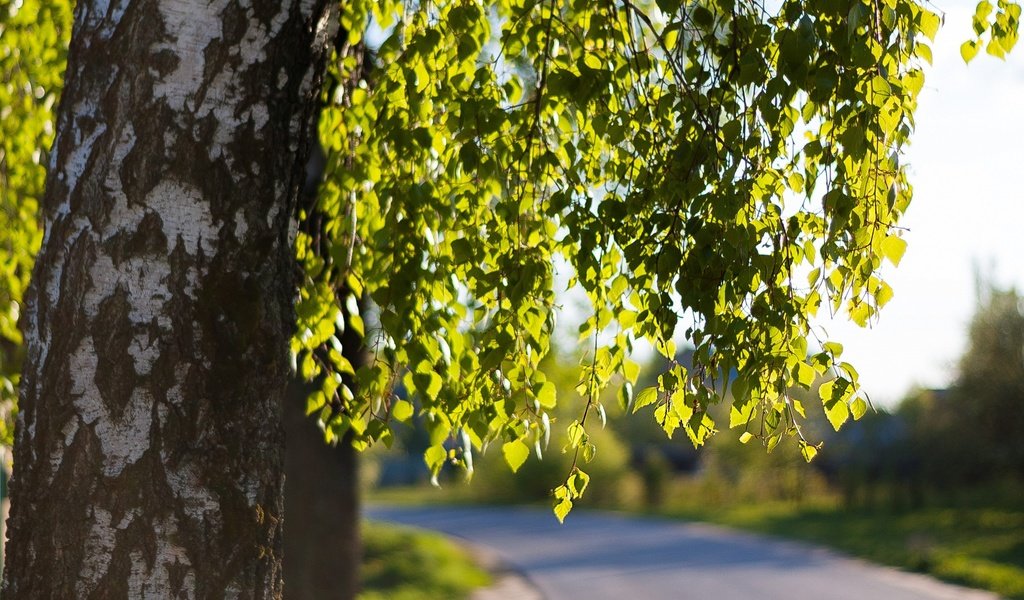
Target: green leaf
(516, 452)
(741, 414)
(859, 408)
(356, 323)
(981, 14)
(808, 451)
(563, 503)
(593, 61)
(630, 370)
(893, 248)
(625, 396)
(699, 428)
(315, 401)
(837, 414)
(968, 50)
(401, 410)
(796, 182)
(435, 457)
(929, 23)
(826, 390)
(462, 251)
(576, 434)
(647, 396)
(805, 375)
(668, 419)
(995, 48)
(834, 394)
(578, 483)
(880, 85)
(427, 380)
(546, 395)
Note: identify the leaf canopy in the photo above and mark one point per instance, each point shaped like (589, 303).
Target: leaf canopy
(717, 169)
(707, 170)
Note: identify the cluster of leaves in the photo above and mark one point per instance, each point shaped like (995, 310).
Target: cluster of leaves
(32, 58)
(995, 29)
(714, 167)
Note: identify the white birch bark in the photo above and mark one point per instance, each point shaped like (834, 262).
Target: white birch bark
(148, 454)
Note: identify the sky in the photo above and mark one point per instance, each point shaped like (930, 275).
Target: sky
(966, 166)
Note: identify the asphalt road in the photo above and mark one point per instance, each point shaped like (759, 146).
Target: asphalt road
(596, 556)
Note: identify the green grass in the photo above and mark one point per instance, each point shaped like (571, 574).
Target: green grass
(401, 563)
(977, 547)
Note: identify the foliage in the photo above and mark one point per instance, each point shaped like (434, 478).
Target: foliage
(531, 482)
(533, 468)
(499, 140)
(32, 59)
(990, 386)
(995, 29)
(401, 563)
(713, 168)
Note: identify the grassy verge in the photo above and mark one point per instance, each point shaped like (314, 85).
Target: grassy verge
(977, 547)
(401, 563)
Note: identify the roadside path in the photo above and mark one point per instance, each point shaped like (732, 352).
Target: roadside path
(598, 556)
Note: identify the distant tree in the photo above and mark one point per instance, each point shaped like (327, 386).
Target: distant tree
(975, 430)
(990, 386)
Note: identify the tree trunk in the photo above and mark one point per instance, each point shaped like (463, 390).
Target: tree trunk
(149, 449)
(321, 524)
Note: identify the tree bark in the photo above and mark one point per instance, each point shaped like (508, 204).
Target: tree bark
(321, 526)
(148, 450)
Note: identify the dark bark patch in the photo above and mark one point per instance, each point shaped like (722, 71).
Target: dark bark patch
(163, 61)
(146, 164)
(115, 375)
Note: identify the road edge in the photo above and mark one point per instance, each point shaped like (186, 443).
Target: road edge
(510, 582)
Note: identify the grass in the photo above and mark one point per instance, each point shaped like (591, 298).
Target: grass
(401, 563)
(980, 547)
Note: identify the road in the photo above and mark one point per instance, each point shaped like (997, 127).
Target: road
(596, 556)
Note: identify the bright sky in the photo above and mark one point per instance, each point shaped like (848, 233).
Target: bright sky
(967, 167)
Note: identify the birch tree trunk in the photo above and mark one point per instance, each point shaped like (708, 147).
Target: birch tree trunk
(149, 449)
